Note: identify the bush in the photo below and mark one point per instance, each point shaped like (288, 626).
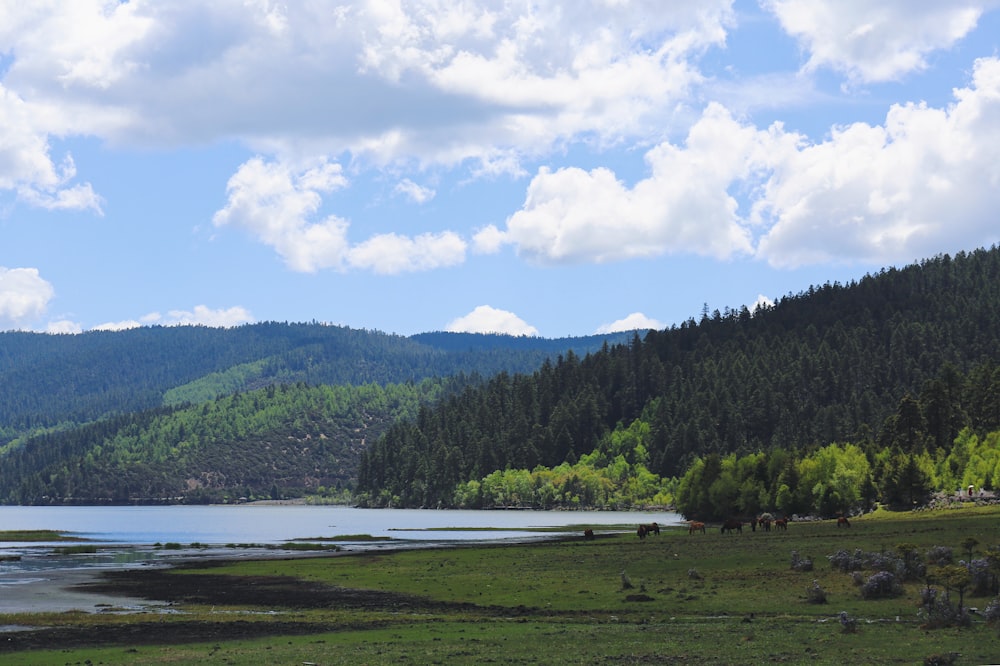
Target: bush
(938, 612)
(881, 585)
(992, 611)
(816, 594)
(799, 563)
(939, 555)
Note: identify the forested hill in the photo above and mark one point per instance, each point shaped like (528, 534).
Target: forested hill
(836, 363)
(60, 381)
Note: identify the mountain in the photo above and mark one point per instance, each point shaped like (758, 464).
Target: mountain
(57, 381)
(205, 414)
(836, 363)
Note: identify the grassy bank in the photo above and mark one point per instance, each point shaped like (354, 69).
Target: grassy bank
(701, 598)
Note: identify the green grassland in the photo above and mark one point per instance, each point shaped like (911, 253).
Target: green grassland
(694, 599)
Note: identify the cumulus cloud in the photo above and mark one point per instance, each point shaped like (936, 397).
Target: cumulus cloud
(435, 82)
(572, 216)
(26, 164)
(24, 295)
(276, 202)
(413, 192)
(875, 41)
(487, 319)
(636, 321)
(201, 315)
(923, 182)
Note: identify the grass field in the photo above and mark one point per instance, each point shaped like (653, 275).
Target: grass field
(694, 599)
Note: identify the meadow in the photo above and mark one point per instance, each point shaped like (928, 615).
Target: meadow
(676, 597)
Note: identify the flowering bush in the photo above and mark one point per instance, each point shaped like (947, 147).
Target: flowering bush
(939, 555)
(881, 585)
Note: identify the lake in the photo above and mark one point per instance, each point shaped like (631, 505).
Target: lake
(272, 524)
(34, 577)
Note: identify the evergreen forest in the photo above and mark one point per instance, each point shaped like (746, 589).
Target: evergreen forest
(884, 390)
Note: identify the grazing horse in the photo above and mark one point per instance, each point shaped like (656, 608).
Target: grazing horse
(695, 526)
(843, 522)
(588, 534)
(765, 523)
(652, 528)
(781, 524)
(730, 525)
(642, 532)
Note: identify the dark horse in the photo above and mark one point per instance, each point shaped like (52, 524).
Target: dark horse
(730, 525)
(588, 534)
(843, 522)
(645, 530)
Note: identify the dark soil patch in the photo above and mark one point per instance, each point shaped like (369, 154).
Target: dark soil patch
(262, 593)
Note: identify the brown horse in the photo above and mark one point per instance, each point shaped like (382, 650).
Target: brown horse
(730, 525)
(652, 528)
(765, 523)
(843, 522)
(642, 532)
(588, 534)
(695, 526)
(781, 524)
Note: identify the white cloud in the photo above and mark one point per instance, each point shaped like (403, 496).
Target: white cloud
(276, 202)
(390, 254)
(118, 325)
(488, 240)
(414, 192)
(205, 316)
(876, 41)
(923, 183)
(487, 319)
(24, 295)
(26, 166)
(63, 327)
(431, 82)
(762, 303)
(636, 321)
(572, 216)
(201, 315)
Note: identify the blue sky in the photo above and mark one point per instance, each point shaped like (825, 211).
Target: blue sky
(527, 167)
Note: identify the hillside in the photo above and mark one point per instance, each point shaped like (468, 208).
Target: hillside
(49, 381)
(836, 363)
(198, 414)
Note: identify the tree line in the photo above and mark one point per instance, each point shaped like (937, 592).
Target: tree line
(835, 363)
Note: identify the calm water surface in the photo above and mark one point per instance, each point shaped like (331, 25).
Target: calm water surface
(269, 524)
(34, 576)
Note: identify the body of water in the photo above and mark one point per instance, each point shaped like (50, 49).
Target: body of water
(37, 577)
(273, 524)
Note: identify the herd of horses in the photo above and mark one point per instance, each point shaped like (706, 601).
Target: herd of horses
(765, 522)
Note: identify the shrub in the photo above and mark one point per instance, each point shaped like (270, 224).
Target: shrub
(801, 564)
(939, 555)
(881, 585)
(816, 594)
(938, 612)
(992, 611)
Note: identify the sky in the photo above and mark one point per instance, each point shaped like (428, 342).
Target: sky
(528, 167)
